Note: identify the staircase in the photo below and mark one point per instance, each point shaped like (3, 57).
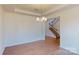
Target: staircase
(52, 29)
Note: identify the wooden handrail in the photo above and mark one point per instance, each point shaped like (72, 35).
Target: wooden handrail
(55, 32)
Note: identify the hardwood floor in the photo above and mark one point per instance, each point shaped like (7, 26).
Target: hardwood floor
(49, 46)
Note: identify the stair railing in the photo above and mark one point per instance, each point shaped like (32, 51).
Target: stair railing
(53, 29)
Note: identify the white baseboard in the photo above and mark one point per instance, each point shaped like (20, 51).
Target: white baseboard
(2, 50)
(74, 50)
(9, 45)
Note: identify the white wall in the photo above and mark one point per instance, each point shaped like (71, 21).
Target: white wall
(69, 27)
(1, 31)
(20, 29)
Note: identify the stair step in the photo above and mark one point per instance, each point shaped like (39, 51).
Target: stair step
(55, 32)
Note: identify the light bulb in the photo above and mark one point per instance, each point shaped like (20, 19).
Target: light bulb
(42, 19)
(37, 19)
(45, 19)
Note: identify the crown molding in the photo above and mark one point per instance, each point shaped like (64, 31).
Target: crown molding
(26, 12)
(56, 9)
(17, 10)
(38, 14)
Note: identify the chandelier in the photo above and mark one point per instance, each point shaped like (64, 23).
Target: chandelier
(41, 17)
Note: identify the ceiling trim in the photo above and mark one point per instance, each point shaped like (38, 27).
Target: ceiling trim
(37, 14)
(25, 12)
(56, 9)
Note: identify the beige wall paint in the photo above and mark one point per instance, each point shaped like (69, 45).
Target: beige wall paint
(20, 29)
(1, 31)
(69, 27)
